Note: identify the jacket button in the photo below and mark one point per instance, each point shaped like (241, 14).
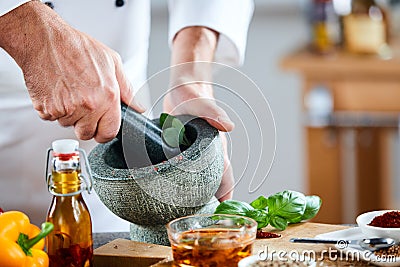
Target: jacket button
(119, 3)
(49, 4)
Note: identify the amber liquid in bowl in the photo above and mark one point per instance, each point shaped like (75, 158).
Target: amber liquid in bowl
(211, 248)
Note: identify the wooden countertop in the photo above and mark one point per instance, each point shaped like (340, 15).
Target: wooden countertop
(123, 252)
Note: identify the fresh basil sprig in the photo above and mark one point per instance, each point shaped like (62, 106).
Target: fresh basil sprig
(278, 210)
(173, 132)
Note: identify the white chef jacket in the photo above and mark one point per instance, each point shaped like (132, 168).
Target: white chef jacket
(24, 137)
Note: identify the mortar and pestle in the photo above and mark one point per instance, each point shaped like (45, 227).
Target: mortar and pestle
(146, 182)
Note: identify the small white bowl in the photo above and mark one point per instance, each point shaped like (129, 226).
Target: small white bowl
(247, 261)
(372, 231)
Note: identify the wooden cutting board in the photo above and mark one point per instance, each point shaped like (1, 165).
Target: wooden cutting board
(122, 252)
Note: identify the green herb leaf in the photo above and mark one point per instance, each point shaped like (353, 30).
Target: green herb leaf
(175, 137)
(278, 210)
(260, 203)
(260, 216)
(163, 117)
(171, 137)
(312, 207)
(278, 222)
(287, 204)
(176, 123)
(233, 207)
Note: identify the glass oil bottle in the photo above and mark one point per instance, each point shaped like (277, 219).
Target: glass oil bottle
(71, 242)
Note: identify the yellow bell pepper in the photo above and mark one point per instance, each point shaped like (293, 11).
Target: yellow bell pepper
(21, 242)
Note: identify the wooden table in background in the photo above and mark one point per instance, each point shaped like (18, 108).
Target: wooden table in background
(358, 85)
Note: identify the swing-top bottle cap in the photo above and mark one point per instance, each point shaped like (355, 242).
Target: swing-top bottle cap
(65, 146)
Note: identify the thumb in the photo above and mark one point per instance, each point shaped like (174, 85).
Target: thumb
(208, 109)
(220, 120)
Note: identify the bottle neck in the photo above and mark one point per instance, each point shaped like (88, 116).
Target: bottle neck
(66, 175)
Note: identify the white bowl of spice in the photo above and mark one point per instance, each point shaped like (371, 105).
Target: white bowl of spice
(380, 223)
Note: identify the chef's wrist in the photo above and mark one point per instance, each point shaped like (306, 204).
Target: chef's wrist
(195, 43)
(193, 50)
(21, 29)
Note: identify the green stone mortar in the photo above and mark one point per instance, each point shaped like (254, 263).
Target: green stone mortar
(151, 196)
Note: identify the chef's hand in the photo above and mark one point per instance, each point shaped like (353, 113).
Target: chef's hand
(197, 99)
(193, 44)
(70, 76)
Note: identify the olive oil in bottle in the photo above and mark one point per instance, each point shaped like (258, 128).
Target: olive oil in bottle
(70, 244)
(365, 28)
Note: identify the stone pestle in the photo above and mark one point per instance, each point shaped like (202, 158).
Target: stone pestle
(141, 140)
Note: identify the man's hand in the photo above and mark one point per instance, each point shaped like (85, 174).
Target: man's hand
(70, 76)
(197, 99)
(188, 97)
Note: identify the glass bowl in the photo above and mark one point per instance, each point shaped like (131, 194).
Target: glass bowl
(211, 239)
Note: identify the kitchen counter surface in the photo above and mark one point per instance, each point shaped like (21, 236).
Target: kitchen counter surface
(116, 249)
(100, 239)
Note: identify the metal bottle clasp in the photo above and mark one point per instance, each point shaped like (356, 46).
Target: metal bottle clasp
(87, 179)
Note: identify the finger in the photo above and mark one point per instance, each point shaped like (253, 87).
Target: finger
(225, 190)
(108, 126)
(222, 123)
(207, 109)
(70, 120)
(45, 116)
(86, 127)
(126, 89)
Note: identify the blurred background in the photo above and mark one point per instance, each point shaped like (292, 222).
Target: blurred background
(330, 73)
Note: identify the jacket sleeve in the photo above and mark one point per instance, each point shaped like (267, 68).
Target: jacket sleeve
(231, 18)
(8, 5)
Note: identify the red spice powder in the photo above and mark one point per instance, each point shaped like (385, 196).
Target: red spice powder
(389, 219)
(262, 234)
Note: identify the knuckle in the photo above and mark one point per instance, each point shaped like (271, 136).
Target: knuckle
(104, 137)
(54, 112)
(89, 104)
(43, 116)
(84, 133)
(69, 110)
(38, 106)
(116, 57)
(112, 95)
(64, 122)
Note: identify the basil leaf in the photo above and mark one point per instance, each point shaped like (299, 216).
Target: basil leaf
(163, 117)
(288, 204)
(167, 120)
(233, 207)
(312, 207)
(260, 216)
(260, 203)
(176, 123)
(295, 219)
(171, 137)
(278, 222)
